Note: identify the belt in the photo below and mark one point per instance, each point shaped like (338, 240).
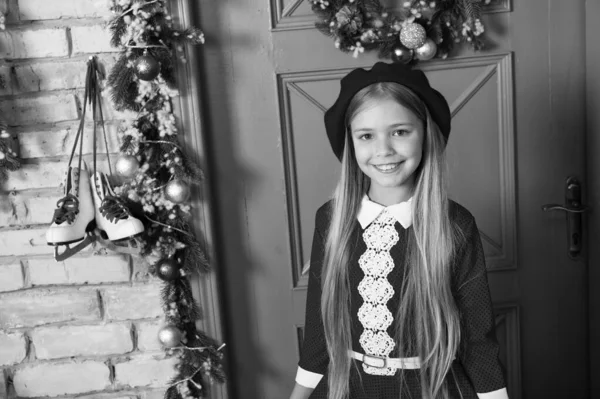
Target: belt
(383, 362)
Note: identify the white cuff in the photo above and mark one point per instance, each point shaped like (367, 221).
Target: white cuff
(309, 379)
(499, 394)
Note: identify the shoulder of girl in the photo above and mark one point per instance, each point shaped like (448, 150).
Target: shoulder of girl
(460, 215)
(323, 215)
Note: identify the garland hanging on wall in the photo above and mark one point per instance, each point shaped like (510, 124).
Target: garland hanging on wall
(8, 157)
(159, 178)
(421, 31)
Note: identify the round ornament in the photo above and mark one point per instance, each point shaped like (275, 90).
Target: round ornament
(426, 51)
(146, 67)
(177, 191)
(127, 165)
(413, 35)
(168, 269)
(169, 336)
(401, 54)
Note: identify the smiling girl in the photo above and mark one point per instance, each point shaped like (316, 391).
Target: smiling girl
(398, 303)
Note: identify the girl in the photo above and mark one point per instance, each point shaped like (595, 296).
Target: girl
(398, 302)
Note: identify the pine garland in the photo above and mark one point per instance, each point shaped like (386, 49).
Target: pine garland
(364, 25)
(8, 158)
(144, 28)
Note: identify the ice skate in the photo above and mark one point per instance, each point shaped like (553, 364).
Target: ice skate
(74, 214)
(113, 218)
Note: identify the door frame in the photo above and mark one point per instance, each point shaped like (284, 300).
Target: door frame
(593, 187)
(206, 288)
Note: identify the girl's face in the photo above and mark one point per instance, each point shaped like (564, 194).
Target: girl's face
(388, 144)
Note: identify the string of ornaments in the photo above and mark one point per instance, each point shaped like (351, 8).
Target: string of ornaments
(8, 157)
(420, 31)
(158, 177)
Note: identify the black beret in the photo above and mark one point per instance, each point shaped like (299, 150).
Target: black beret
(359, 78)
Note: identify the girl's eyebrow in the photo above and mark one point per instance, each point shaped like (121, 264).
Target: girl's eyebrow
(393, 125)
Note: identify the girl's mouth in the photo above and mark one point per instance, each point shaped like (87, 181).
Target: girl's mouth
(388, 167)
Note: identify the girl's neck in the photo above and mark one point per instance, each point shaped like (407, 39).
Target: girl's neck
(387, 196)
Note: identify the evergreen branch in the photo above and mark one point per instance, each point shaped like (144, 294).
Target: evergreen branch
(117, 27)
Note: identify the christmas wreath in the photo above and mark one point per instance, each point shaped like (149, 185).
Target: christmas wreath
(421, 31)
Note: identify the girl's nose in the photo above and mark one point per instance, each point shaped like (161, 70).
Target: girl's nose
(384, 147)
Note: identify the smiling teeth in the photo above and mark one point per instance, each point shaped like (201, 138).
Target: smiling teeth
(389, 166)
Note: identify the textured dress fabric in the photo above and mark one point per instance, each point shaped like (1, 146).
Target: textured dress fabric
(377, 267)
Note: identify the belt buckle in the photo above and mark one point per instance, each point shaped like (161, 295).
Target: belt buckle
(379, 362)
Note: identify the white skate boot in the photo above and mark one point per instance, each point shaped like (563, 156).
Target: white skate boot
(74, 215)
(112, 215)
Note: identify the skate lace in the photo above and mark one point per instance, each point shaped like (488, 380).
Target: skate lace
(114, 209)
(67, 209)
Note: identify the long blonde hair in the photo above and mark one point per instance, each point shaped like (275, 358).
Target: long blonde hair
(427, 320)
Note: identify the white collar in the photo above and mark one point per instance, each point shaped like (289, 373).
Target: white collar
(370, 210)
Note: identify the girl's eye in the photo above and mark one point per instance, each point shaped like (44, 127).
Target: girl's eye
(365, 136)
(400, 132)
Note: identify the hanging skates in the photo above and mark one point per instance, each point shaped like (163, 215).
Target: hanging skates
(90, 211)
(73, 220)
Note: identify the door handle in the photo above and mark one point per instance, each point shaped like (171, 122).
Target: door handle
(573, 209)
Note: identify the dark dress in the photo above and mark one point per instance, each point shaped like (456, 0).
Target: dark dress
(476, 369)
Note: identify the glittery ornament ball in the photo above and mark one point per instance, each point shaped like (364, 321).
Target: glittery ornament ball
(427, 51)
(127, 165)
(413, 35)
(146, 67)
(177, 191)
(169, 336)
(168, 269)
(401, 54)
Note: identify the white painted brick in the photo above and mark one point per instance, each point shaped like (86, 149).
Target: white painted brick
(48, 174)
(148, 335)
(137, 302)
(12, 349)
(145, 371)
(59, 142)
(24, 242)
(116, 395)
(16, 44)
(36, 307)
(45, 109)
(91, 39)
(28, 208)
(32, 10)
(55, 75)
(61, 379)
(11, 278)
(50, 342)
(154, 394)
(95, 269)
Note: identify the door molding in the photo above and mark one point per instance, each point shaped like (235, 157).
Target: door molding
(189, 107)
(592, 186)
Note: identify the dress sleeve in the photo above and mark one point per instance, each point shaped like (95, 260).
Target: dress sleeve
(314, 359)
(479, 347)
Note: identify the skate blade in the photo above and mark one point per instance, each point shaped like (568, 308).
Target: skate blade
(122, 246)
(70, 251)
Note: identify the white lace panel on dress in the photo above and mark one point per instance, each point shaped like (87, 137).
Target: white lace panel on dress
(376, 290)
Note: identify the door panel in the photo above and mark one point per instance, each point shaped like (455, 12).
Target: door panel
(517, 133)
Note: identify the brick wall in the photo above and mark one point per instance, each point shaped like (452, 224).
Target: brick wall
(85, 327)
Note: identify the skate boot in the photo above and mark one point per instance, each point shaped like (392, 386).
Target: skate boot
(74, 216)
(113, 218)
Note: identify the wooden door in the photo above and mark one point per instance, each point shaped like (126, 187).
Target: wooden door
(518, 132)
